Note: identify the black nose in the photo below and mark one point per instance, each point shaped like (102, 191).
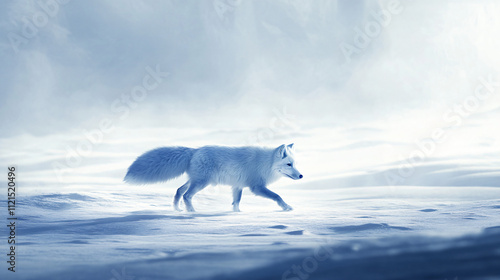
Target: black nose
(300, 176)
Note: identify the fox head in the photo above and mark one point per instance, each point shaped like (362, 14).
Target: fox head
(284, 162)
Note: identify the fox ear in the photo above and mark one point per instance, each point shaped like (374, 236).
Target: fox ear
(290, 146)
(281, 151)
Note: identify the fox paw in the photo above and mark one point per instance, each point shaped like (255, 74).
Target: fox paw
(287, 207)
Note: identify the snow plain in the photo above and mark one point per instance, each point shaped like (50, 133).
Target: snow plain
(348, 221)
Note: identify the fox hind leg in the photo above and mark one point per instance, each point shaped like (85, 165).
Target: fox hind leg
(178, 195)
(191, 191)
(236, 199)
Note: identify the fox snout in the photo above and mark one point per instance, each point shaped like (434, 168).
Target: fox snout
(296, 176)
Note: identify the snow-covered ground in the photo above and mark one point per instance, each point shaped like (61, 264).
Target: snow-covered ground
(440, 223)
(94, 235)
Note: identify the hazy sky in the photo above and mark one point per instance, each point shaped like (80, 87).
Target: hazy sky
(68, 64)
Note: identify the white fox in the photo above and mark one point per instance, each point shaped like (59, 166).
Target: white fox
(238, 167)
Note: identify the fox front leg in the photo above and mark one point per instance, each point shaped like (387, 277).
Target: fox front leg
(265, 192)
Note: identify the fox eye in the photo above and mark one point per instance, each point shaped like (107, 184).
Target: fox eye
(289, 164)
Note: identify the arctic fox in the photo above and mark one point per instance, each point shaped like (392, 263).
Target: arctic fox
(238, 167)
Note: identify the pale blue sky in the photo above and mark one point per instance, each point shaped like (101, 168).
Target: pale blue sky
(232, 62)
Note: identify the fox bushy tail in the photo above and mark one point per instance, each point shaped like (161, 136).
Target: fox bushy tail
(159, 165)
